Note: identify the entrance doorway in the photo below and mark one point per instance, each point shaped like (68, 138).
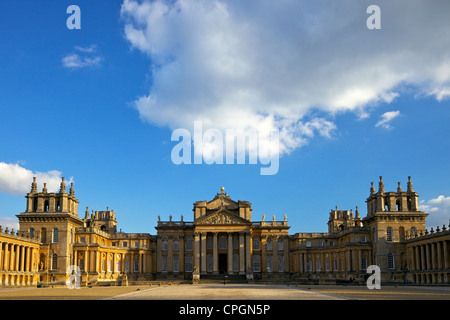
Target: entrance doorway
(222, 263)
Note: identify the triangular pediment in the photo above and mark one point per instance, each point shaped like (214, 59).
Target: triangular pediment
(222, 217)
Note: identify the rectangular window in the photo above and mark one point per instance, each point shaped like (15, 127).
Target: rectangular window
(335, 263)
(269, 263)
(222, 242)
(175, 263)
(136, 266)
(235, 262)
(136, 244)
(188, 244)
(124, 244)
(164, 264)
(256, 263)
(364, 263)
(188, 263)
(308, 244)
(281, 263)
(209, 262)
(308, 266)
(81, 264)
(391, 264)
(256, 244)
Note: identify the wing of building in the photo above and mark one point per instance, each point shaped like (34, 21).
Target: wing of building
(222, 239)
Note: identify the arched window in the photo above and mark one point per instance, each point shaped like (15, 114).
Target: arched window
(269, 244)
(389, 234)
(31, 233)
(413, 232)
(280, 243)
(55, 235)
(256, 244)
(390, 260)
(54, 261)
(175, 244)
(164, 244)
(46, 206)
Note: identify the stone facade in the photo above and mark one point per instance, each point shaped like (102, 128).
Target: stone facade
(223, 240)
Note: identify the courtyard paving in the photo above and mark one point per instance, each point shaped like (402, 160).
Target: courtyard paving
(227, 292)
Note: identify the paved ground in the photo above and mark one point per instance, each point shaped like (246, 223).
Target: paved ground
(226, 292)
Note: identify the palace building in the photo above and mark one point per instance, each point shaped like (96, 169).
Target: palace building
(223, 240)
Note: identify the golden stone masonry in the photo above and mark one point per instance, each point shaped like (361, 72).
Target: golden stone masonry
(222, 240)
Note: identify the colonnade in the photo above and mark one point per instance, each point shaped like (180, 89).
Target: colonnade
(18, 263)
(429, 261)
(242, 248)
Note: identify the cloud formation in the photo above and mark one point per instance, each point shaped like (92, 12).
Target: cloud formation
(438, 210)
(386, 118)
(85, 57)
(288, 65)
(15, 179)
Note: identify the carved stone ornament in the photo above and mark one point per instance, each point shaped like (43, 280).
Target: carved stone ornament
(221, 218)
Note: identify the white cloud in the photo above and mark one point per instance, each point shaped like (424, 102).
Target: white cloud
(86, 58)
(438, 210)
(15, 179)
(238, 64)
(11, 223)
(386, 118)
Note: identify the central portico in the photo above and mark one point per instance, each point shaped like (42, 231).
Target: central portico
(221, 240)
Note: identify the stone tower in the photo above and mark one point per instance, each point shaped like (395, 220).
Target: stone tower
(102, 220)
(52, 217)
(391, 218)
(341, 220)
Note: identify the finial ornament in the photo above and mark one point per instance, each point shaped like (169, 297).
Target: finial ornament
(34, 186)
(372, 188)
(72, 190)
(62, 188)
(381, 185)
(410, 185)
(221, 190)
(44, 190)
(399, 188)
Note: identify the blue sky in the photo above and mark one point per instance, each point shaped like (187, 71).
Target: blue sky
(74, 103)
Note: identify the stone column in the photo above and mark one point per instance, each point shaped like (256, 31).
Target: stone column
(203, 258)
(275, 267)
(169, 255)
(241, 253)
(1, 257)
(422, 257)
(445, 254)
(301, 264)
(248, 253)
(427, 257)
(439, 255)
(181, 267)
(433, 256)
(215, 255)
(22, 258)
(230, 253)
(262, 248)
(196, 251)
(417, 258)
